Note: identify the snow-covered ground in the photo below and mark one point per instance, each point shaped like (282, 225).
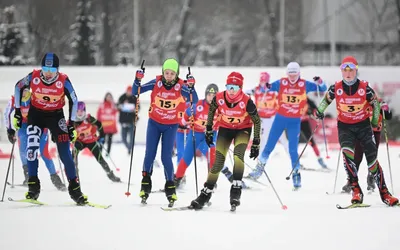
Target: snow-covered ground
(310, 222)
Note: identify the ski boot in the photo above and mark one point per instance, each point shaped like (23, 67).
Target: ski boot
(370, 182)
(357, 194)
(346, 188)
(203, 198)
(55, 179)
(146, 188)
(296, 176)
(236, 192)
(179, 181)
(112, 177)
(228, 174)
(25, 169)
(322, 163)
(33, 188)
(74, 189)
(387, 197)
(170, 192)
(257, 172)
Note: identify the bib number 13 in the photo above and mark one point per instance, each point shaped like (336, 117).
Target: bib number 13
(291, 99)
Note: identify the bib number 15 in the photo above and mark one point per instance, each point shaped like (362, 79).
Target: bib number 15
(167, 104)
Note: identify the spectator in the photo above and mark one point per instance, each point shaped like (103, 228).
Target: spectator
(126, 106)
(107, 115)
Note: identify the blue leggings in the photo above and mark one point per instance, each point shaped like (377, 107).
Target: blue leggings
(44, 148)
(292, 126)
(180, 144)
(167, 133)
(200, 145)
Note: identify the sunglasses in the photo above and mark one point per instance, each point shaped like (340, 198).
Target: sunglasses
(49, 69)
(348, 65)
(231, 86)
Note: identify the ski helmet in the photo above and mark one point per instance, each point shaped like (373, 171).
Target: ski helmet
(50, 60)
(171, 64)
(211, 88)
(81, 107)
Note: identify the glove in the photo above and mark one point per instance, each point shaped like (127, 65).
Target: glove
(190, 80)
(209, 136)
(374, 125)
(318, 79)
(11, 135)
(190, 122)
(255, 148)
(72, 133)
(17, 121)
(318, 114)
(384, 106)
(101, 140)
(139, 75)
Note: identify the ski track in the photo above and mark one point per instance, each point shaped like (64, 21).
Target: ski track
(311, 221)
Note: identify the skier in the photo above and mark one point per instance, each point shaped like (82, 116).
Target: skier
(22, 140)
(292, 98)
(199, 120)
(237, 113)
(354, 99)
(87, 127)
(267, 105)
(49, 88)
(107, 115)
(358, 149)
(306, 130)
(167, 92)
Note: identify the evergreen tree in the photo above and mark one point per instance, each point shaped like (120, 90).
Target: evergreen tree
(83, 38)
(11, 39)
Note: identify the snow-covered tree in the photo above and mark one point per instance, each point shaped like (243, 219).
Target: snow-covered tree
(11, 39)
(83, 34)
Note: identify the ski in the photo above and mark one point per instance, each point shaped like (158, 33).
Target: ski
(177, 208)
(255, 181)
(163, 191)
(16, 185)
(91, 204)
(31, 201)
(323, 170)
(357, 205)
(185, 208)
(36, 202)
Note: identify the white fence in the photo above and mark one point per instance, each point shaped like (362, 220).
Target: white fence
(91, 83)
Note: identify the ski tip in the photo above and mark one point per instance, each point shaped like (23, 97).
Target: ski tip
(10, 199)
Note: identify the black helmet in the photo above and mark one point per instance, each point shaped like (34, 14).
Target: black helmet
(211, 88)
(50, 60)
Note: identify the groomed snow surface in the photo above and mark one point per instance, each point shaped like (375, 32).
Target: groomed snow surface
(310, 222)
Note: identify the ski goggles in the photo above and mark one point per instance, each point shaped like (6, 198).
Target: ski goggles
(349, 65)
(231, 86)
(49, 69)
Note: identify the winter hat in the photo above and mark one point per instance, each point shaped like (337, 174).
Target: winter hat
(264, 77)
(350, 59)
(235, 78)
(171, 64)
(211, 89)
(293, 68)
(50, 60)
